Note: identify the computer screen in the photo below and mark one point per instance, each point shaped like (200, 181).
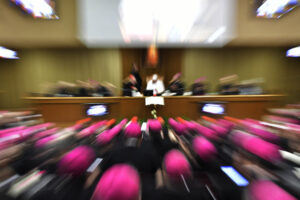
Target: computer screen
(213, 108)
(44, 9)
(97, 110)
(234, 175)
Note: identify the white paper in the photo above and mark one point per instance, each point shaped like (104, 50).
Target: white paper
(154, 101)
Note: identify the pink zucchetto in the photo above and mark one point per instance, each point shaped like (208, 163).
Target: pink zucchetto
(77, 161)
(267, 190)
(120, 182)
(176, 165)
(200, 79)
(154, 125)
(133, 130)
(8, 130)
(190, 126)
(172, 122)
(206, 132)
(282, 119)
(220, 130)
(44, 141)
(116, 129)
(105, 137)
(263, 149)
(45, 133)
(204, 149)
(225, 123)
(180, 129)
(123, 122)
(91, 129)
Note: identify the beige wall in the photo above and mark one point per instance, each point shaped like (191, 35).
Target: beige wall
(281, 74)
(18, 77)
(253, 31)
(19, 30)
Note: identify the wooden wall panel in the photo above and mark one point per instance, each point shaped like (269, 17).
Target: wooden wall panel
(170, 62)
(70, 109)
(281, 74)
(40, 66)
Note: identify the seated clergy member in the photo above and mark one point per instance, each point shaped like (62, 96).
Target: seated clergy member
(135, 73)
(156, 85)
(199, 86)
(176, 85)
(129, 85)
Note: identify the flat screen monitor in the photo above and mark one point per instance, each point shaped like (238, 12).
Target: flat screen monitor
(235, 176)
(214, 108)
(274, 9)
(96, 110)
(44, 9)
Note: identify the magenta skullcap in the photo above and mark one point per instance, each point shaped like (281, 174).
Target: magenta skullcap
(293, 127)
(4, 131)
(91, 129)
(172, 122)
(263, 149)
(33, 129)
(190, 126)
(76, 161)
(177, 75)
(154, 125)
(263, 133)
(44, 125)
(283, 119)
(204, 148)
(267, 190)
(176, 165)
(180, 129)
(225, 123)
(221, 131)
(240, 138)
(252, 121)
(105, 137)
(259, 130)
(120, 182)
(207, 132)
(75, 127)
(123, 122)
(44, 141)
(133, 130)
(201, 79)
(116, 129)
(45, 133)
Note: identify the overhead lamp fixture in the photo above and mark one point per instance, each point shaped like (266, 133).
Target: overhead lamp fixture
(7, 53)
(294, 52)
(38, 8)
(276, 8)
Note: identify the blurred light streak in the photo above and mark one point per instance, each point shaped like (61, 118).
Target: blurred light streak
(37, 8)
(276, 8)
(216, 34)
(294, 52)
(7, 53)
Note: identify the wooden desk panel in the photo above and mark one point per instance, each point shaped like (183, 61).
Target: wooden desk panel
(70, 109)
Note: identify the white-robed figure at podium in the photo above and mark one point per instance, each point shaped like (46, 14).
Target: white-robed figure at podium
(156, 85)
